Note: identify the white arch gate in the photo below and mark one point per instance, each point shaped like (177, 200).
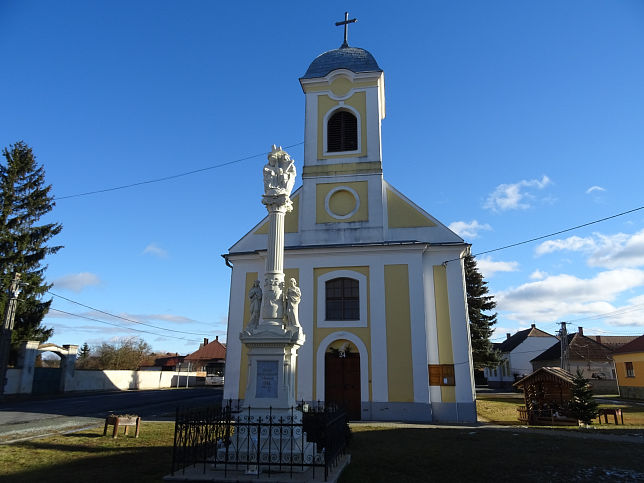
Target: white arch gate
(42, 380)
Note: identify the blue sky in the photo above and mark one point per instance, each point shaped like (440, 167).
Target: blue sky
(506, 120)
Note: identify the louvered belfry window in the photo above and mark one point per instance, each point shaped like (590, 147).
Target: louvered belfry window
(342, 299)
(342, 132)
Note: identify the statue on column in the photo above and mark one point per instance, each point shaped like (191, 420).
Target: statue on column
(255, 296)
(293, 297)
(279, 173)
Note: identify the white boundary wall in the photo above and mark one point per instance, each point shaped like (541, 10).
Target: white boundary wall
(113, 380)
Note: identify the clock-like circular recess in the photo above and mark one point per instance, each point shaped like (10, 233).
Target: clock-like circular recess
(342, 202)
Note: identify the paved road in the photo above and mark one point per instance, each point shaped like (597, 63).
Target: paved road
(32, 417)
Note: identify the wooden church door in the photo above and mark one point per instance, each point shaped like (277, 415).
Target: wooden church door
(342, 381)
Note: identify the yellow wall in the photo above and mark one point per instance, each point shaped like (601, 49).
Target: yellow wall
(443, 327)
(637, 358)
(398, 317)
(291, 219)
(401, 214)
(322, 189)
(325, 104)
(319, 333)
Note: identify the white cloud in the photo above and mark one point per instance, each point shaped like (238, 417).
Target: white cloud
(594, 188)
(560, 296)
(489, 267)
(573, 243)
(620, 250)
(180, 319)
(76, 282)
(157, 251)
(121, 316)
(538, 275)
(469, 229)
(514, 196)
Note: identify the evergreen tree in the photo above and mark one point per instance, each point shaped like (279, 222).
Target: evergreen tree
(24, 199)
(481, 324)
(583, 406)
(83, 356)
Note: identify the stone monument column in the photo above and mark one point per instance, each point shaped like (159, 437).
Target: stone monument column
(273, 333)
(272, 301)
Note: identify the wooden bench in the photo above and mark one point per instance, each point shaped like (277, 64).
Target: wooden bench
(615, 412)
(125, 420)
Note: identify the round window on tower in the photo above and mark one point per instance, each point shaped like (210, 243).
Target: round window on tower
(342, 202)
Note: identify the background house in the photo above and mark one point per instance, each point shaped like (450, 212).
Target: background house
(162, 362)
(593, 359)
(613, 342)
(629, 365)
(518, 350)
(209, 362)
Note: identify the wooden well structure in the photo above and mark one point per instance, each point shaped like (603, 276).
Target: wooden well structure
(547, 393)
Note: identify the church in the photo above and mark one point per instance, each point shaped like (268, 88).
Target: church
(383, 303)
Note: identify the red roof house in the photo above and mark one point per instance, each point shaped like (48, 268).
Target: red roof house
(209, 360)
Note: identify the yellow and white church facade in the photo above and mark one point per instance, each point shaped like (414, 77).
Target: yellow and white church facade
(385, 318)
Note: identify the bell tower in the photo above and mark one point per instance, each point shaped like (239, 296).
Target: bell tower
(342, 180)
(345, 105)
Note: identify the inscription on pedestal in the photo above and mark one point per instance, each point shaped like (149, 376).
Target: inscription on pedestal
(266, 379)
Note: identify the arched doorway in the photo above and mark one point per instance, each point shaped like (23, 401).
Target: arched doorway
(342, 377)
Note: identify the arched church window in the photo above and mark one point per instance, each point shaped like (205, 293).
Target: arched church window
(342, 132)
(342, 299)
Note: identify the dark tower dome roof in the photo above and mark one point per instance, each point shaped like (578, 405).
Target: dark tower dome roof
(354, 59)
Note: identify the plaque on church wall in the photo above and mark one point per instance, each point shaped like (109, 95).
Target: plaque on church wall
(266, 379)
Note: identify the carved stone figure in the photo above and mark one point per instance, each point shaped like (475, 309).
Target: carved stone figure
(293, 297)
(255, 296)
(272, 307)
(279, 173)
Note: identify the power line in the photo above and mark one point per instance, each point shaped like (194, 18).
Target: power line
(173, 176)
(122, 327)
(612, 314)
(125, 318)
(551, 234)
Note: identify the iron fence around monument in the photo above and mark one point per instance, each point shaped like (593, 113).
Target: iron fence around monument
(225, 438)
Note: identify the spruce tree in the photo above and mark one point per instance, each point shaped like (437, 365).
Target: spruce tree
(583, 406)
(83, 356)
(481, 324)
(24, 199)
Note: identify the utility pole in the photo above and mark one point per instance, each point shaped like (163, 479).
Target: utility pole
(7, 328)
(563, 341)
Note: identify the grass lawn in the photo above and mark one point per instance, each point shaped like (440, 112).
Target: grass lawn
(410, 455)
(88, 456)
(378, 454)
(503, 410)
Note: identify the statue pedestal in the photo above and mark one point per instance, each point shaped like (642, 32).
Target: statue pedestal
(270, 430)
(272, 360)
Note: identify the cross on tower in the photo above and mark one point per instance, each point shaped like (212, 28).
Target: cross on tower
(346, 27)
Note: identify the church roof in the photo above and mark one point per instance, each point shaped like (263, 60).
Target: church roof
(354, 59)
